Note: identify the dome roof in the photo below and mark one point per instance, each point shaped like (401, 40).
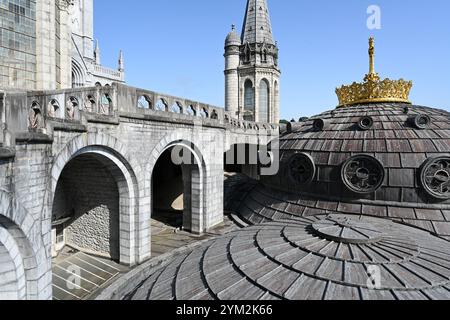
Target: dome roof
(317, 258)
(380, 152)
(382, 160)
(233, 38)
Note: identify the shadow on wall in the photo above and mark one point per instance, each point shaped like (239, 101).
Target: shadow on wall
(168, 196)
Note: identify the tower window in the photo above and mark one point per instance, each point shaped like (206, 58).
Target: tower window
(249, 96)
(264, 101)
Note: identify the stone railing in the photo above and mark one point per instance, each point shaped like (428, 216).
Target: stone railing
(134, 100)
(101, 70)
(32, 111)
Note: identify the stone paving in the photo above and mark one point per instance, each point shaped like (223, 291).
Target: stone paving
(167, 238)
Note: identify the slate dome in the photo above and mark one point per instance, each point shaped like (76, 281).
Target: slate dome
(317, 258)
(232, 39)
(376, 154)
(382, 153)
(389, 160)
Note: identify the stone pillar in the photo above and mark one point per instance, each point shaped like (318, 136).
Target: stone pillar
(45, 45)
(65, 46)
(232, 80)
(257, 115)
(187, 197)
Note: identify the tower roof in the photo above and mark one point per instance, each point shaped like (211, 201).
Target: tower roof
(233, 38)
(257, 27)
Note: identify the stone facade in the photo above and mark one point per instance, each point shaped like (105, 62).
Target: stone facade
(85, 52)
(252, 74)
(53, 43)
(50, 46)
(99, 145)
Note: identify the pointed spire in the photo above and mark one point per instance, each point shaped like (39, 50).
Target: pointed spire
(97, 53)
(257, 26)
(121, 62)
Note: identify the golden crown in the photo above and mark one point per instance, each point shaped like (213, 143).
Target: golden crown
(374, 90)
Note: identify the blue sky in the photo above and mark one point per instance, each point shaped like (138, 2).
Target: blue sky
(176, 47)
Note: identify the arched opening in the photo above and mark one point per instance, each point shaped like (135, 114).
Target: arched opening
(264, 101)
(90, 202)
(35, 118)
(105, 104)
(161, 105)
(242, 158)
(177, 193)
(177, 107)
(144, 102)
(89, 103)
(12, 272)
(190, 110)
(77, 75)
(204, 113)
(167, 183)
(71, 107)
(249, 101)
(53, 108)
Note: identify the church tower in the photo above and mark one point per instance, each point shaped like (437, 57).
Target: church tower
(252, 74)
(87, 69)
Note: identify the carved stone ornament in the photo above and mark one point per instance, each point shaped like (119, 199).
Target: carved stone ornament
(435, 177)
(363, 174)
(301, 168)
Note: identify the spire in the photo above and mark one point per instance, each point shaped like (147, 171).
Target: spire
(121, 63)
(257, 27)
(97, 53)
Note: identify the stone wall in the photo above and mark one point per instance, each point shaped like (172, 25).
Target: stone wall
(88, 194)
(114, 194)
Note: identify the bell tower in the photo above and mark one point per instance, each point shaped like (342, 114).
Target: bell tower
(252, 75)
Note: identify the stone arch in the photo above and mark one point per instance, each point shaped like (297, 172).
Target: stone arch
(78, 76)
(127, 174)
(177, 107)
(12, 275)
(22, 247)
(162, 105)
(144, 102)
(198, 195)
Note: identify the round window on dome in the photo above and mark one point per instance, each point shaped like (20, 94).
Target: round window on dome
(365, 123)
(301, 167)
(420, 121)
(363, 174)
(435, 177)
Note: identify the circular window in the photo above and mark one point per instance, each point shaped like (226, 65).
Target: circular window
(365, 123)
(302, 168)
(319, 125)
(363, 174)
(420, 121)
(435, 177)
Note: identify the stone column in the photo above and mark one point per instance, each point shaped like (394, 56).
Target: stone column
(45, 45)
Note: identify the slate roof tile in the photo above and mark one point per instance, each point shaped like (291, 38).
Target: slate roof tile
(424, 145)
